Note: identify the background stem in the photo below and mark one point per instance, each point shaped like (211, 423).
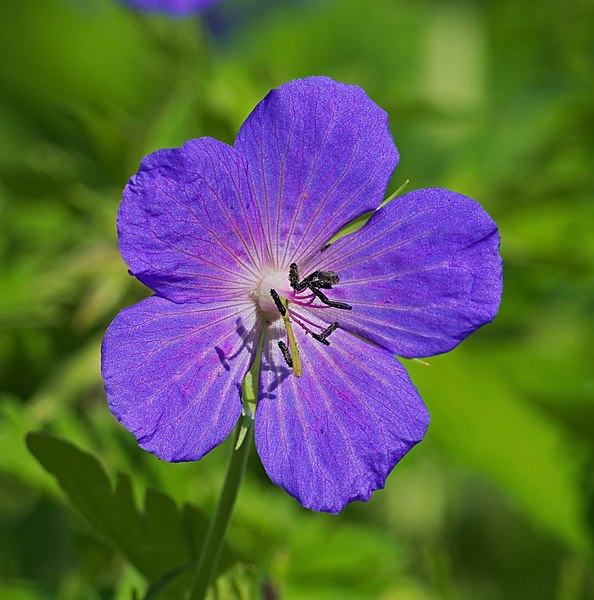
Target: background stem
(215, 537)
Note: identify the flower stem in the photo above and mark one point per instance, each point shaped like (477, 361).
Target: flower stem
(215, 537)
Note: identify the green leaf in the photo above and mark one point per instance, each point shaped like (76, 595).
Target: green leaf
(481, 422)
(156, 542)
(163, 528)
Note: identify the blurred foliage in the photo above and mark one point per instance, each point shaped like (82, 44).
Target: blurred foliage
(491, 98)
(158, 543)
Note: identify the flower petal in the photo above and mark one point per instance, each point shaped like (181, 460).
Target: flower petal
(176, 8)
(186, 225)
(173, 373)
(320, 153)
(334, 434)
(421, 276)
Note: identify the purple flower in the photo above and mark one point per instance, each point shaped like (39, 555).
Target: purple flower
(231, 237)
(176, 8)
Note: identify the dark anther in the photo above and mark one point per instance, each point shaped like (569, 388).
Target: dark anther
(286, 353)
(281, 307)
(318, 279)
(294, 276)
(329, 329)
(328, 302)
(327, 276)
(321, 337)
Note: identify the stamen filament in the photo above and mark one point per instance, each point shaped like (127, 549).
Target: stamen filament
(303, 322)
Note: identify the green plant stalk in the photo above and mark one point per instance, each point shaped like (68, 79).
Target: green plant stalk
(215, 537)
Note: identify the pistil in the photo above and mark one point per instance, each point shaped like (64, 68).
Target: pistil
(293, 359)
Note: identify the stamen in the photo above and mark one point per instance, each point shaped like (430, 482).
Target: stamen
(321, 337)
(294, 278)
(286, 353)
(294, 275)
(327, 301)
(315, 282)
(281, 307)
(320, 279)
(303, 322)
(328, 277)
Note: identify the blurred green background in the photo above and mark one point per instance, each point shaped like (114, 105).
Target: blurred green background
(492, 98)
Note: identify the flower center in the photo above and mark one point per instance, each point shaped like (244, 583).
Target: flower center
(275, 280)
(303, 293)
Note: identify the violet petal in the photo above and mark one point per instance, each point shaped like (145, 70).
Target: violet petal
(422, 275)
(186, 224)
(175, 8)
(320, 153)
(334, 434)
(173, 373)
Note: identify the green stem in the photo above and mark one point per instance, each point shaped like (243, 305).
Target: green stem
(215, 537)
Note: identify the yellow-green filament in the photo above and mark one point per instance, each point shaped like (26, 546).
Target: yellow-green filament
(297, 368)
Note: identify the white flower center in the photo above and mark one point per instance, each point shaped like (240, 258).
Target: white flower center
(274, 280)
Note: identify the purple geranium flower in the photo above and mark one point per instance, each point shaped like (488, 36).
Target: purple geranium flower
(176, 8)
(233, 241)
